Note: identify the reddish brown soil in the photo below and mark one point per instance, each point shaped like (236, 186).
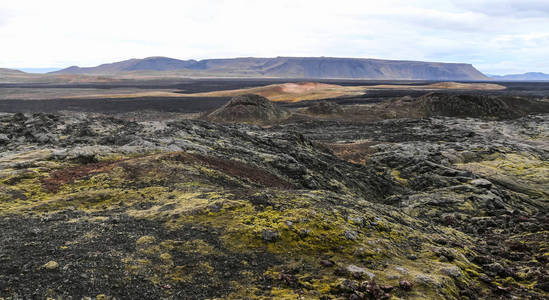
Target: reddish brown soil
(239, 169)
(230, 167)
(71, 174)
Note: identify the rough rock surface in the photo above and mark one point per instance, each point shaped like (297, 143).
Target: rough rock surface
(434, 208)
(325, 108)
(439, 104)
(479, 106)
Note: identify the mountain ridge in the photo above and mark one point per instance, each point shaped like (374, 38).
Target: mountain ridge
(294, 67)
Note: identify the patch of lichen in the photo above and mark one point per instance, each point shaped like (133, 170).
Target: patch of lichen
(433, 205)
(154, 260)
(146, 178)
(523, 172)
(299, 224)
(308, 231)
(25, 191)
(28, 191)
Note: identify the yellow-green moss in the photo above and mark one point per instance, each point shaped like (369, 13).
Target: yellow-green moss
(396, 176)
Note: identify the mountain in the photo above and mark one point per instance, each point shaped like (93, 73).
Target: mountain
(12, 76)
(289, 67)
(530, 76)
(148, 64)
(4, 71)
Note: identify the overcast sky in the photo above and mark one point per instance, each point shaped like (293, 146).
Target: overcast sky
(496, 36)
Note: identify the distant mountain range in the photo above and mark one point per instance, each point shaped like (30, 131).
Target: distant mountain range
(531, 76)
(288, 67)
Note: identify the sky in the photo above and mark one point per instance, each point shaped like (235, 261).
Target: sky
(496, 36)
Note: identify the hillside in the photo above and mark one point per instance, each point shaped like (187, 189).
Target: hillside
(11, 75)
(530, 76)
(4, 71)
(290, 67)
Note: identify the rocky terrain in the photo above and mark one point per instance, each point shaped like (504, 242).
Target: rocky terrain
(422, 202)
(487, 107)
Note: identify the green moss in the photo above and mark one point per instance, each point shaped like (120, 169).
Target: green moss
(527, 172)
(472, 272)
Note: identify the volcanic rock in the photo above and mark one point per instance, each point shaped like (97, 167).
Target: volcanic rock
(451, 271)
(51, 265)
(479, 106)
(249, 108)
(269, 235)
(4, 138)
(405, 285)
(483, 183)
(247, 204)
(358, 272)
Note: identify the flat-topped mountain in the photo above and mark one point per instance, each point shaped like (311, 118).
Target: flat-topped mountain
(290, 67)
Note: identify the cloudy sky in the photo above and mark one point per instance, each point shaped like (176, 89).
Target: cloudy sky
(496, 36)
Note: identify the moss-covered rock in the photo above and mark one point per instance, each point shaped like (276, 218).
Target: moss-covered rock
(213, 211)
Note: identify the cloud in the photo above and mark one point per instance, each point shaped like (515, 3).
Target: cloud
(507, 8)
(59, 33)
(5, 15)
